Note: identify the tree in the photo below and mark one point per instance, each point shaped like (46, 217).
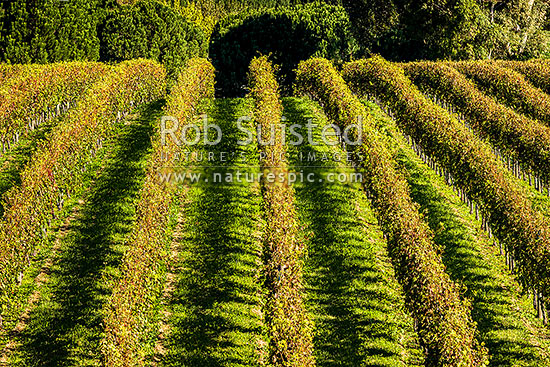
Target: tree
(440, 29)
(374, 22)
(519, 28)
(49, 30)
(288, 34)
(152, 30)
(16, 31)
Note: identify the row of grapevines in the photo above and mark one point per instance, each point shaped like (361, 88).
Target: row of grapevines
(291, 341)
(525, 140)
(40, 92)
(57, 166)
(509, 87)
(520, 170)
(536, 71)
(445, 326)
(130, 311)
(474, 168)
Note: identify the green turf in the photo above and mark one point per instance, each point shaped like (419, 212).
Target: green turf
(217, 304)
(356, 303)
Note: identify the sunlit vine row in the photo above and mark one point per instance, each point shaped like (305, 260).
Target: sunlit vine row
(509, 87)
(471, 164)
(130, 314)
(38, 93)
(536, 71)
(514, 135)
(290, 330)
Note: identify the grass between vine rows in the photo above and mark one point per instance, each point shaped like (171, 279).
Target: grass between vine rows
(356, 302)
(216, 308)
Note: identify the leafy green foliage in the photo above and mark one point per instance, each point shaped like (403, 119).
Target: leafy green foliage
(151, 30)
(432, 29)
(517, 29)
(375, 23)
(288, 35)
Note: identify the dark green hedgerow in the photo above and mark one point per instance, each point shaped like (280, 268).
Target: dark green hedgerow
(471, 162)
(46, 31)
(289, 327)
(289, 34)
(151, 30)
(445, 326)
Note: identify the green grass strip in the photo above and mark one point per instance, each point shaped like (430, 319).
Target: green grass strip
(216, 308)
(356, 302)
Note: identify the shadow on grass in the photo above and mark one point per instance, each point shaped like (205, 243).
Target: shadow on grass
(216, 319)
(355, 300)
(66, 327)
(494, 308)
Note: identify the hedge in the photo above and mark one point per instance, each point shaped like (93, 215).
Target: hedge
(445, 326)
(45, 31)
(288, 35)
